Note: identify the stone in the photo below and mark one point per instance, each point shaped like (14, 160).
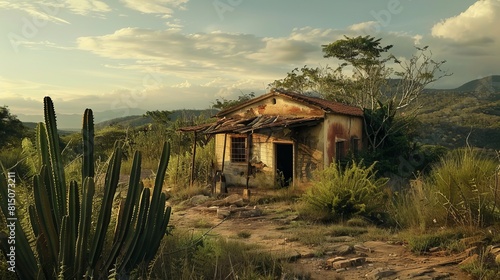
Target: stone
(198, 199)
(343, 250)
(223, 213)
(380, 273)
(342, 264)
(362, 248)
(234, 199)
(336, 259)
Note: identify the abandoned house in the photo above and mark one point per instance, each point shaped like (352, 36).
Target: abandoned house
(280, 138)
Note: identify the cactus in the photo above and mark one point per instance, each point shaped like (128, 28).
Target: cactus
(61, 216)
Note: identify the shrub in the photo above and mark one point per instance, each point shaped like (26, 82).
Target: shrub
(339, 194)
(467, 188)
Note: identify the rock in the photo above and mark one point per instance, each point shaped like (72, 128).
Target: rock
(235, 199)
(223, 213)
(420, 272)
(343, 250)
(336, 259)
(362, 248)
(198, 199)
(340, 262)
(380, 273)
(256, 212)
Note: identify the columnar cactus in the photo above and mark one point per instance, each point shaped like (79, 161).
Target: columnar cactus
(62, 214)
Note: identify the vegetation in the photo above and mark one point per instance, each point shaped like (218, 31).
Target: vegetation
(381, 91)
(338, 193)
(74, 221)
(61, 219)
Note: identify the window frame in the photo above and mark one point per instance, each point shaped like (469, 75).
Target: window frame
(238, 149)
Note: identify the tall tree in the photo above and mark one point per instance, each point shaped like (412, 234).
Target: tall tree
(366, 78)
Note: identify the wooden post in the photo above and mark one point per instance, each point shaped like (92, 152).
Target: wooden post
(193, 160)
(224, 153)
(248, 154)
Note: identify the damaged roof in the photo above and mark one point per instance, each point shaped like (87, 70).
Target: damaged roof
(326, 105)
(257, 123)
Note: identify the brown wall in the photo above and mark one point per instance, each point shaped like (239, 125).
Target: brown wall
(281, 107)
(341, 128)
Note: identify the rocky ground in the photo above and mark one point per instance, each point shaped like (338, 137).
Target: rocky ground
(341, 257)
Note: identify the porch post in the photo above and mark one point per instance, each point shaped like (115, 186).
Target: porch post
(248, 154)
(224, 152)
(193, 159)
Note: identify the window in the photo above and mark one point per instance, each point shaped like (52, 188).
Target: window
(238, 149)
(339, 150)
(355, 145)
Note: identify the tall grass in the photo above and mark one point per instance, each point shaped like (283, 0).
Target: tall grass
(184, 256)
(340, 193)
(466, 184)
(461, 190)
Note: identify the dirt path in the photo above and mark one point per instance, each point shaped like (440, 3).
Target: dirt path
(342, 258)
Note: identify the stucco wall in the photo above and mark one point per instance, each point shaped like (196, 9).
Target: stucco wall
(340, 128)
(279, 106)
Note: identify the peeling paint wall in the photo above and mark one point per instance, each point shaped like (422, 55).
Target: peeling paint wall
(313, 147)
(341, 128)
(279, 106)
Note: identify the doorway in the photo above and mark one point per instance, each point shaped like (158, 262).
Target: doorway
(284, 164)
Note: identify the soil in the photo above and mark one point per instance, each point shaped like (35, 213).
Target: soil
(371, 259)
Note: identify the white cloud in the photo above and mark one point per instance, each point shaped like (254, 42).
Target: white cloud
(164, 7)
(85, 7)
(41, 11)
(477, 25)
(184, 84)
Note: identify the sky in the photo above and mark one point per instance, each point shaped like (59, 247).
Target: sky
(125, 55)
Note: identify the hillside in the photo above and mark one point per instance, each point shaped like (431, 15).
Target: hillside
(141, 120)
(469, 113)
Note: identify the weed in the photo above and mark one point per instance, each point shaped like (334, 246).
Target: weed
(244, 234)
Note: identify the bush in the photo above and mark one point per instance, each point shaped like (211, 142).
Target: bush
(339, 194)
(467, 188)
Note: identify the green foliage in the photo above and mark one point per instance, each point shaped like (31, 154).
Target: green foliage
(11, 129)
(67, 245)
(421, 243)
(187, 258)
(416, 207)
(359, 51)
(340, 193)
(226, 103)
(466, 184)
(180, 167)
(159, 117)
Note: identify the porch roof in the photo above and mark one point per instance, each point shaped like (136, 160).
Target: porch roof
(251, 124)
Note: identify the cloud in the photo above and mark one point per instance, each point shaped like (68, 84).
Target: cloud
(164, 7)
(46, 12)
(474, 26)
(86, 7)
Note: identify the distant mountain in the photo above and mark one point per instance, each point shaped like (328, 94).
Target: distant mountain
(74, 121)
(140, 120)
(490, 84)
(469, 114)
